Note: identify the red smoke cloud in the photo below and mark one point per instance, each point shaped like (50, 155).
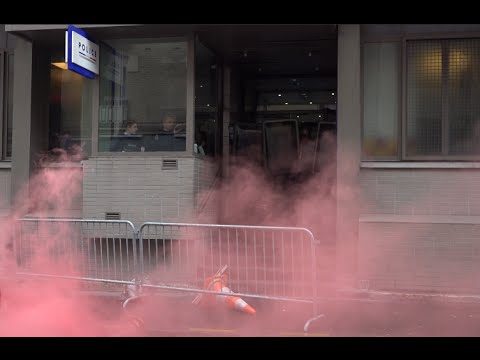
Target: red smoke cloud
(56, 307)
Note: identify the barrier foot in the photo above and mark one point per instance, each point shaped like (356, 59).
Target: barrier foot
(126, 302)
(136, 321)
(307, 324)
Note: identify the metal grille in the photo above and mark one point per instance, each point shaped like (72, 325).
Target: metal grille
(443, 87)
(112, 216)
(79, 248)
(264, 261)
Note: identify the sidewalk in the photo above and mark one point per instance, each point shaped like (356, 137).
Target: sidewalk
(350, 313)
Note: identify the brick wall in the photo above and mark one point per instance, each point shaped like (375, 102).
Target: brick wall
(422, 257)
(138, 188)
(5, 178)
(419, 229)
(420, 191)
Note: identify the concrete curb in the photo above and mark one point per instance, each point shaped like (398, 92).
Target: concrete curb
(387, 296)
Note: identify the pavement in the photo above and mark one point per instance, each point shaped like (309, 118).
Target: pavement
(362, 314)
(347, 313)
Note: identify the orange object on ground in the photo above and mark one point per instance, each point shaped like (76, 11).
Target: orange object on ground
(200, 299)
(218, 284)
(213, 284)
(236, 303)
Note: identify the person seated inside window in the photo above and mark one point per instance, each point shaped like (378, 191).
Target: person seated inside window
(200, 144)
(170, 137)
(129, 141)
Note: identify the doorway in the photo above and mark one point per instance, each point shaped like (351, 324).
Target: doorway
(282, 115)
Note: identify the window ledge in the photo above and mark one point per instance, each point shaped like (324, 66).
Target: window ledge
(139, 154)
(64, 164)
(419, 219)
(5, 164)
(66, 214)
(419, 165)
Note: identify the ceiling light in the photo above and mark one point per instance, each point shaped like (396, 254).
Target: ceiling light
(279, 94)
(61, 65)
(311, 103)
(286, 103)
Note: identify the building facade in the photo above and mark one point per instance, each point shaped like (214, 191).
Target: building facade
(401, 100)
(419, 211)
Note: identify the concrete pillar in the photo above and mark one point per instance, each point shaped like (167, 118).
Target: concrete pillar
(22, 110)
(3, 36)
(348, 152)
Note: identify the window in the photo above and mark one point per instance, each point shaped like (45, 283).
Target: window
(381, 100)
(441, 108)
(142, 96)
(443, 92)
(6, 103)
(69, 126)
(206, 81)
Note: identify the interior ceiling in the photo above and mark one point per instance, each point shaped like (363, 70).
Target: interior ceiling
(263, 50)
(277, 50)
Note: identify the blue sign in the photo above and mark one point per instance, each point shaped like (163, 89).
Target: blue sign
(82, 53)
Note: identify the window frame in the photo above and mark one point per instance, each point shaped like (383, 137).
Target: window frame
(5, 82)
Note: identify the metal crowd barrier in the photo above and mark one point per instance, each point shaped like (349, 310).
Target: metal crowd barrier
(264, 262)
(77, 248)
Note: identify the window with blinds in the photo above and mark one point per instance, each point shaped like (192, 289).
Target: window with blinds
(381, 100)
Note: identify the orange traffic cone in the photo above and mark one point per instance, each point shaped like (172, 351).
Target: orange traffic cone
(218, 283)
(200, 299)
(213, 284)
(235, 303)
